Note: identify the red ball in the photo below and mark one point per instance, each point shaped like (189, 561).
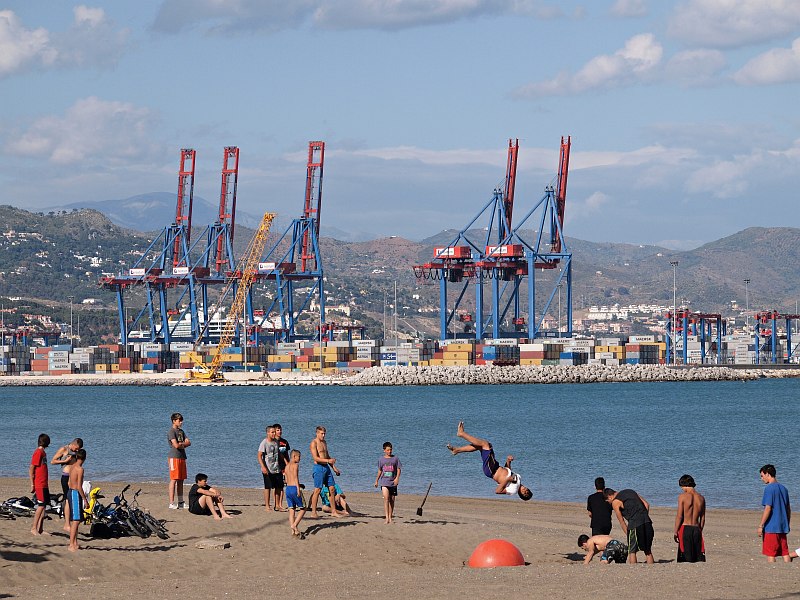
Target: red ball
(496, 553)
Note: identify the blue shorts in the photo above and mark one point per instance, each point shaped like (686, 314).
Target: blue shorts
(293, 499)
(490, 464)
(323, 478)
(75, 506)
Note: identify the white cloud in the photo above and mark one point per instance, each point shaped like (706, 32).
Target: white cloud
(779, 65)
(92, 40)
(637, 61)
(216, 16)
(596, 201)
(695, 67)
(92, 130)
(733, 23)
(20, 47)
(629, 8)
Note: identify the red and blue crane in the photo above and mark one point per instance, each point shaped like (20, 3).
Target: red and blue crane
(294, 261)
(505, 256)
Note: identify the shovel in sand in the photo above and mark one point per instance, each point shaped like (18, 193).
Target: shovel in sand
(419, 510)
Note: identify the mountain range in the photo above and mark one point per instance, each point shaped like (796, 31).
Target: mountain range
(48, 257)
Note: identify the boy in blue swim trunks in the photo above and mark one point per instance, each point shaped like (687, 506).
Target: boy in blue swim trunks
(323, 465)
(294, 499)
(77, 498)
(507, 481)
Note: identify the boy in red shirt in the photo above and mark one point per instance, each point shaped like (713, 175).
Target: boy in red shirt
(40, 486)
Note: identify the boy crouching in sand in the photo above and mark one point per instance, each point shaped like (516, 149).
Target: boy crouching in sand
(293, 498)
(77, 498)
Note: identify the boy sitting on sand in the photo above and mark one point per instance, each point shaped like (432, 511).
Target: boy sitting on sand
(206, 500)
(612, 550)
(294, 499)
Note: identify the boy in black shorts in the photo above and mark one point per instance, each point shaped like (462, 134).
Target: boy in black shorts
(206, 500)
(631, 507)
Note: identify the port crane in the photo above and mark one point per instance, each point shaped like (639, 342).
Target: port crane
(295, 258)
(711, 328)
(766, 329)
(163, 266)
(505, 257)
(240, 280)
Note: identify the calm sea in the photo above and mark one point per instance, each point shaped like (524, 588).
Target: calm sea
(643, 436)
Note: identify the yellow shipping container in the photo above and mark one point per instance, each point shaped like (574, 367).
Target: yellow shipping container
(457, 355)
(114, 367)
(530, 361)
(191, 356)
(124, 371)
(460, 347)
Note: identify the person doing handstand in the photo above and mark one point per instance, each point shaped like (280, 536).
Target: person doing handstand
(507, 481)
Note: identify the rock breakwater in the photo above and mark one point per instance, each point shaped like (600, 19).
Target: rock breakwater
(486, 375)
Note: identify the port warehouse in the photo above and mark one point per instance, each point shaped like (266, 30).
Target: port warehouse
(353, 356)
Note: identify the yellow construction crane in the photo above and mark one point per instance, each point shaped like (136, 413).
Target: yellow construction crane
(245, 274)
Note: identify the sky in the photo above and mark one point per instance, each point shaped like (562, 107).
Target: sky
(682, 114)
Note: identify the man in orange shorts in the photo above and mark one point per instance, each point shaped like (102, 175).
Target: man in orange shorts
(178, 442)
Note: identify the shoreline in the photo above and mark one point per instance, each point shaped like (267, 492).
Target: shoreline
(359, 556)
(437, 375)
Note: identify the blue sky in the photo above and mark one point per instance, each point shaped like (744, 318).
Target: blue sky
(682, 114)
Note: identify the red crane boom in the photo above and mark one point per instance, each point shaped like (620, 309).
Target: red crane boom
(183, 210)
(227, 201)
(561, 189)
(313, 202)
(511, 181)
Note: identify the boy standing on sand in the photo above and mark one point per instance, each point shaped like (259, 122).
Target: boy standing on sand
(599, 510)
(388, 477)
(293, 498)
(178, 442)
(776, 516)
(323, 464)
(65, 456)
(269, 461)
(507, 481)
(630, 506)
(77, 498)
(283, 460)
(40, 485)
(689, 522)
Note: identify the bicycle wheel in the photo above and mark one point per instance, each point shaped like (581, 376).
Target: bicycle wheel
(156, 526)
(136, 525)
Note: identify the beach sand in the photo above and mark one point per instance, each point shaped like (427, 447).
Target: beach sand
(361, 557)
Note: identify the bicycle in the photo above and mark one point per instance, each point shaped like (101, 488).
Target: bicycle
(153, 525)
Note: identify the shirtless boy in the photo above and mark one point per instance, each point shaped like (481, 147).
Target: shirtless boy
(293, 499)
(323, 464)
(65, 456)
(77, 498)
(507, 481)
(612, 550)
(689, 522)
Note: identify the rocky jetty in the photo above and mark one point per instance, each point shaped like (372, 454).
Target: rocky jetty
(487, 375)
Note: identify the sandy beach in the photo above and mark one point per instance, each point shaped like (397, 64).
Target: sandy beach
(360, 556)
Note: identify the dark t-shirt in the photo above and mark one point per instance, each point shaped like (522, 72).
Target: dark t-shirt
(194, 500)
(633, 510)
(283, 454)
(601, 513)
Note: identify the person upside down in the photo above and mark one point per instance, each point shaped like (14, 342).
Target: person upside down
(507, 481)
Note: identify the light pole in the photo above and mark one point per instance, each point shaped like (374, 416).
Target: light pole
(70, 318)
(746, 303)
(674, 264)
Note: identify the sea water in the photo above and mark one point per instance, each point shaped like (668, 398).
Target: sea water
(637, 435)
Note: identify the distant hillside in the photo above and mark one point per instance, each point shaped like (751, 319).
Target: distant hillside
(152, 211)
(48, 257)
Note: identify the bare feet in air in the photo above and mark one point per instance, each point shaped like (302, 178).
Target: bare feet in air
(452, 449)
(460, 430)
